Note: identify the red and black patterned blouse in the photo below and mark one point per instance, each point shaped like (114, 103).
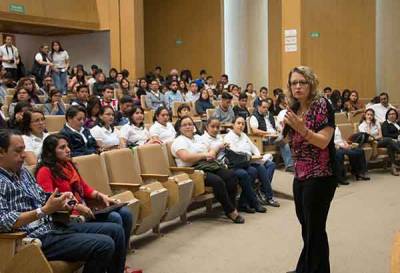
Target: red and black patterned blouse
(311, 161)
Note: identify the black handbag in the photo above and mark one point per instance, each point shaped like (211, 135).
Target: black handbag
(237, 160)
(361, 138)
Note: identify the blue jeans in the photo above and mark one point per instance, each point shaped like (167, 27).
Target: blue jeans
(60, 81)
(284, 148)
(122, 217)
(265, 173)
(100, 245)
(246, 180)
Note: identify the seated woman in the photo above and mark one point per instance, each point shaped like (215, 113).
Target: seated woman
(353, 105)
(15, 120)
(162, 127)
(54, 105)
(31, 87)
(248, 201)
(107, 137)
(80, 139)
(92, 110)
(356, 156)
(188, 150)
(56, 171)
(372, 127)
(19, 96)
(134, 133)
(203, 103)
(183, 110)
(239, 142)
(33, 133)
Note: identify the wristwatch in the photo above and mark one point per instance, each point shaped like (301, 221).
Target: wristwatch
(40, 214)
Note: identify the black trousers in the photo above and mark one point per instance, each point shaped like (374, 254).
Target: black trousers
(312, 199)
(224, 184)
(357, 160)
(392, 146)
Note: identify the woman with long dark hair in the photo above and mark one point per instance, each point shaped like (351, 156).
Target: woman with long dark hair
(77, 80)
(162, 127)
(310, 125)
(29, 85)
(60, 60)
(57, 171)
(92, 110)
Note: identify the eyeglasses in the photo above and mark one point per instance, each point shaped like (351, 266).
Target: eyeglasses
(301, 83)
(187, 125)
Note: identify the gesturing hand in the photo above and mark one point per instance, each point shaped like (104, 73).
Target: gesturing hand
(295, 122)
(57, 203)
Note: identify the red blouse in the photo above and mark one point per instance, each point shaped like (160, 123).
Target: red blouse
(48, 182)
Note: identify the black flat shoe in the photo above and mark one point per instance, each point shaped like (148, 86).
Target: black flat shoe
(246, 209)
(343, 182)
(362, 177)
(260, 209)
(238, 220)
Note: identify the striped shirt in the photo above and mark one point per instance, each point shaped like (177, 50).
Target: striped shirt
(20, 193)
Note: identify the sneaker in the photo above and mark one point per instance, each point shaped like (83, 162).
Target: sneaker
(261, 198)
(273, 203)
(247, 209)
(260, 209)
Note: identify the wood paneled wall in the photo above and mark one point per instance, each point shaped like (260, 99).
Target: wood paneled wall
(344, 54)
(274, 44)
(197, 23)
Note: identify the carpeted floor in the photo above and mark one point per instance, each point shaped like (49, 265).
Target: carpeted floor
(361, 225)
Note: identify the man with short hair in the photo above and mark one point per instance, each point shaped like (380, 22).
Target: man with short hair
(25, 207)
(201, 81)
(9, 57)
(157, 74)
(154, 98)
(192, 95)
(382, 107)
(328, 93)
(108, 98)
(82, 96)
(125, 106)
(262, 123)
(263, 96)
(225, 80)
(173, 94)
(241, 108)
(224, 112)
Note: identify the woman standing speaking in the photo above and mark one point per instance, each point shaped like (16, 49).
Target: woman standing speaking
(310, 124)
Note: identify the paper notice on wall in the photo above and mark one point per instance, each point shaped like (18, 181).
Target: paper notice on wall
(290, 40)
(290, 48)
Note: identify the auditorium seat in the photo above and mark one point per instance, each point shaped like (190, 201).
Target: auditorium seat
(341, 118)
(93, 170)
(18, 257)
(210, 112)
(395, 255)
(54, 123)
(122, 166)
(355, 117)
(10, 91)
(181, 186)
(201, 193)
(258, 141)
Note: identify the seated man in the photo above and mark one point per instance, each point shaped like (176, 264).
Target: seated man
(382, 107)
(173, 95)
(108, 98)
(263, 96)
(154, 97)
(25, 207)
(262, 123)
(356, 156)
(241, 108)
(125, 106)
(80, 140)
(224, 112)
(82, 96)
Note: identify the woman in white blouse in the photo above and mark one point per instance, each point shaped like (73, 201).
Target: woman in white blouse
(371, 126)
(248, 201)
(189, 149)
(33, 130)
(162, 127)
(239, 142)
(107, 137)
(134, 133)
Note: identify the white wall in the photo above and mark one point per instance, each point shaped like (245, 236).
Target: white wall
(86, 49)
(246, 41)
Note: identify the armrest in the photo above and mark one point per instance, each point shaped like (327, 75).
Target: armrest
(13, 235)
(125, 186)
(256, 157)
(158, 177)
(188, 170)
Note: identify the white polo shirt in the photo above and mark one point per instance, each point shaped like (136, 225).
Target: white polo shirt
(240, 143)
(106, 136)
(133, 134)
(213, 143)
(9, 53)
(380, 111)
(34, 144)
(165, 133)
(192, 145)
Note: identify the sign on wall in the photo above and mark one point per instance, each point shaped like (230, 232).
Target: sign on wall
(290, 40)
(16, 8)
